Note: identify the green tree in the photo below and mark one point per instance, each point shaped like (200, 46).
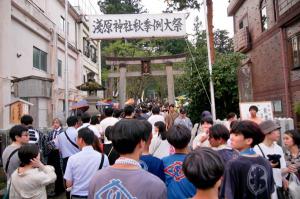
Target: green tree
(178, 5)
(138, 47)
(224, 76)
(223, 43)
(121, 6)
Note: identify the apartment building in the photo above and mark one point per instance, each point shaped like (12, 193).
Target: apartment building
(32, 57)
(268, 33)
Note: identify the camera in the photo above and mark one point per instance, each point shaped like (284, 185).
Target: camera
(275, 159)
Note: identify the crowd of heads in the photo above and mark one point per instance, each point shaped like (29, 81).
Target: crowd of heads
(203, 167)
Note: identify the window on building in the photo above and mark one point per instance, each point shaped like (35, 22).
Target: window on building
(277, 106)
(241, 25)
(243, 22)
(263, 15)
(62, 23)
(84, 79)
(295, 45)
(275, 7)
(93, 54)
(39, 59)
(64, 105)
(59, 68)
(86, 47)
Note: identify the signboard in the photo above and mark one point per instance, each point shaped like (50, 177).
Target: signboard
(17, 110)
(265, 110)
(137, 26)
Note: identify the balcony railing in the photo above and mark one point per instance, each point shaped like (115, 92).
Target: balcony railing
(285, 5)
(242, 41)
(234, 6)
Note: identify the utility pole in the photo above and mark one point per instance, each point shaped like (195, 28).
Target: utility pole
(66, 62)
(208, 12)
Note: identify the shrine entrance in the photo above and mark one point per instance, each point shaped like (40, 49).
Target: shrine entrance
(145, 62)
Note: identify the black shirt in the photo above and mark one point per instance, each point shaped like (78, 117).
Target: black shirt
(248, 178)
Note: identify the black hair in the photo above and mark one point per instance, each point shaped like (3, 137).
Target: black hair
(117, 113)
(248, 129)
(108, 132)
(233, 123)
(295, 135)
(17, 130)
(161, 129)
(253, 107)
(179, 136)
(85, 118)
(87, 135)
(219, 131)
(26, 119)
(72, 121)
(97, 144)
(230, 115)
(145, 110)
(108, 111)
(155, 110)
(208, 120)
(128, 110)
(27, 152)
(147, 128)
(138, 111)
(182, 111)
(94, 120)
(172, 105)
(203, 167)
(126, 135)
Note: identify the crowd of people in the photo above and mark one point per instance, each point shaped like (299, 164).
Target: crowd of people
(148, 154)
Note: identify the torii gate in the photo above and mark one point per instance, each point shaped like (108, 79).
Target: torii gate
(145, 62)
(126, 26)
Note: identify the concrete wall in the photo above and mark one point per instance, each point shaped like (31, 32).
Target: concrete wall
(37, 23)
(23, 44)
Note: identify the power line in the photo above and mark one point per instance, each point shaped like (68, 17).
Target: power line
(193, 59)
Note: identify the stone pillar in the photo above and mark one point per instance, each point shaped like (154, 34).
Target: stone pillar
(6, 55)
(170, 83)
(110, 89)
(122, 85)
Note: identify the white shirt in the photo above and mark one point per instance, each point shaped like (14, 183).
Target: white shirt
(95, 130)
(274, 149)
(32, 183)
(155, 118)
(63, 144)
(91, 127)
(197, 143)
(109, 121)
(83, 126)
(184, 121)
(159, 148)
(82, 167)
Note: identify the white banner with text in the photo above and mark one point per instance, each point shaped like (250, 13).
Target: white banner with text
(137, 26)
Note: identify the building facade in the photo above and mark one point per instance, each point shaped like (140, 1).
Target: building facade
(32, 57)
(268, 33)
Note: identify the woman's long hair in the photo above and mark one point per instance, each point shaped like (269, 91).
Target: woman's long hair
(161, 129)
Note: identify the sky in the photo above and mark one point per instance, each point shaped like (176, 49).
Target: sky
(220, 20)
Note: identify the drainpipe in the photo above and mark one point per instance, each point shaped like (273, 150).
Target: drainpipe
(66, 62)
(283, 39)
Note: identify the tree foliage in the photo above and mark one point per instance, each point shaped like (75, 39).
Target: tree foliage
(121, 6)
(224, 76)
(179, 5)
